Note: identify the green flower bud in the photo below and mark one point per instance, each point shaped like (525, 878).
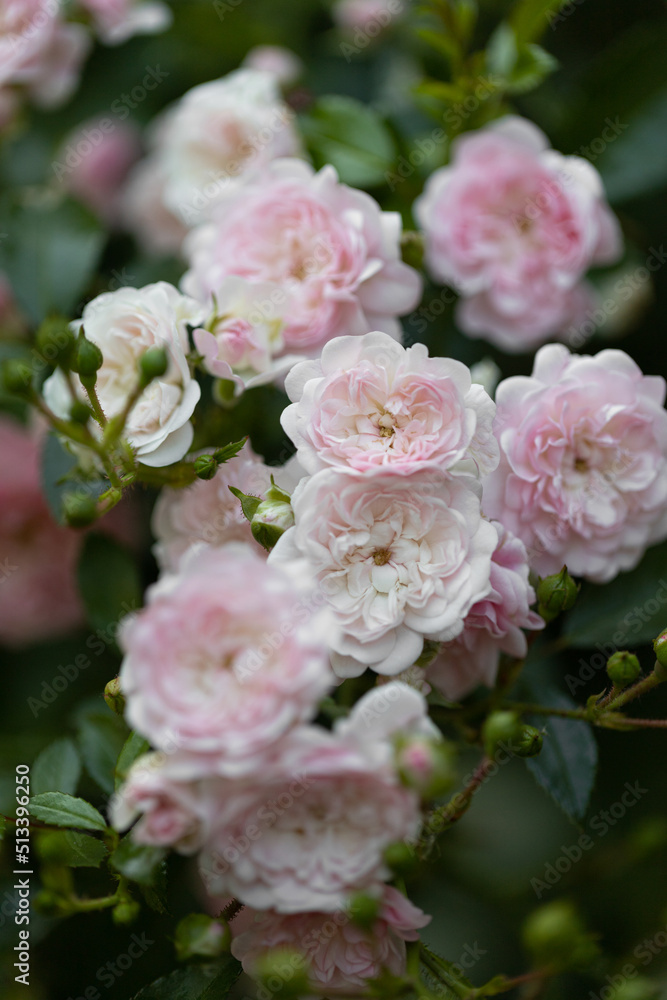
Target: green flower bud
(636, 989)
(623, 668)
(400, 858)
(271, 520)
(426, 765)
(363, 910)
(660, 648)
(528, 742)
(16, 378)
(283, 971)
(87, 358)
(114, 697)
(79, 412)
(205, 466)
(556, 937)
(125, 912)
(79, 509)
(555, 594)
(199, 935)
(153, 364)
(500, 727)
(412, 249)
(55, 341)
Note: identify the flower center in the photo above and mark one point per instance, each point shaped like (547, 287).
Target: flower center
(381, 557)
(386, 424)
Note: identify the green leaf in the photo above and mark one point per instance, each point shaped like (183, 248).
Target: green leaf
(531, 18)
(101, 739)
(249, 504)
(76, 850)
(567, 765)
(108, 581)
(448, 93)
(502, 52)
(630, 610)
(352, 137)
(49, 255)
(58, 809)
(532, 66)
(134, 746)
(201, 982)
(138, 862)
(228, 451)
(438, 40)
(56, 769)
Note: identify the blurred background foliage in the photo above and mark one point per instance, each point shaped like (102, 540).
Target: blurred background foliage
(610, 66)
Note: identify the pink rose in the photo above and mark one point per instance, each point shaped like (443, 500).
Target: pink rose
(493, 625)
(329, 247)
(369, 404)
(340, 957)
(397, 557)
(117, 20)
(171, 812)
(514, 226)
(310, 828)
(583, 472)
(38, 557)
(207, 511)
(369, 16)
(95, 164)
(225, 658)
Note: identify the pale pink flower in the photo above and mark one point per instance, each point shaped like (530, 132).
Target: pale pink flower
(282, 63)
(38, 557)
(117, 20)
(339, 956)
(157, 230)
(325, 244)
(311, 826)
(125, 324)
(493, 625)
(225, 658)
(369, 404)
(397, 557)
(242, 339)
(369, 16)
(96, 159)
(514, 226)
(171, 812)
(582, 479)
(207, 511)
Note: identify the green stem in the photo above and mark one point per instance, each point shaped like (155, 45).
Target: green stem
(443, 817)
(641, 687)
(96, 406)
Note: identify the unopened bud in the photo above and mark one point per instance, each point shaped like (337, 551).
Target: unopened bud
(364, 910)
(637, 989)
(555, 936)
(528, 742)
(125, 912)
(426, 765)
(79, 510)
(114, 697)
(205, 466)
(79, 412)
(271, 520)
(283, 971)
(400, 858)
(87, 359)
(660, 648)
(555, 594)
(16, 378)
(623, 668)
(153, 364)
(199, 935)
(501, 727)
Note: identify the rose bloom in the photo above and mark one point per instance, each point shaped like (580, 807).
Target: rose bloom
(225, 658)
(218, 133)
(171, 812)
(117, 20)
(39, 51)
(144, 214)
(326, 245)
(309, 829)
(207, 511)
(98, 173)
(493, 625)
(514, 226)
(341, 957)
(282, 63)
(366, 15)
(242, 340)
(38, 557)
(124, 324)
(369, 404)
(397, 557)
(582, 479)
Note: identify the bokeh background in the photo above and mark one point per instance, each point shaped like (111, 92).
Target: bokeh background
(480, 884)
